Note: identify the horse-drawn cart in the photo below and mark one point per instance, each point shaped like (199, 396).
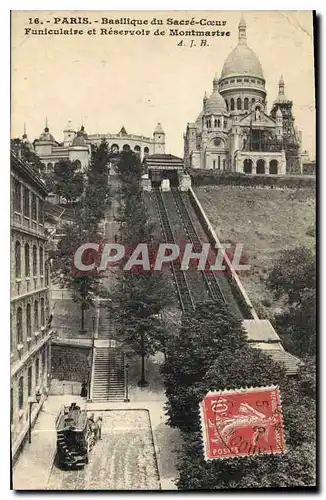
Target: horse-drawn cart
(76, 436)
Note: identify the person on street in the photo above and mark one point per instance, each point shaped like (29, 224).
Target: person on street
(83, 392)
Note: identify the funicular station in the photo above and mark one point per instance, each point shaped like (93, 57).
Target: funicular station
(165, 171)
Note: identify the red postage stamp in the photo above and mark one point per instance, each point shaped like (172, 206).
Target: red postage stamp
(242, 422)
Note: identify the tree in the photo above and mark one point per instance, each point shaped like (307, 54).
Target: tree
(140, 297)
(67, 182)
(85, 288)
(211, 355)
(140, 301)
(293, 278)
(97, 195)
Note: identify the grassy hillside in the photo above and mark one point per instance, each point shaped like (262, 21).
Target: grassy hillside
(266, 221)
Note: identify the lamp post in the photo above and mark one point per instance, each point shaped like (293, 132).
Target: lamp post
(38, 396)
(126, 400)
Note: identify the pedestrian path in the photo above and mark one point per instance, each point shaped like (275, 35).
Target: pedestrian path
(33, 467)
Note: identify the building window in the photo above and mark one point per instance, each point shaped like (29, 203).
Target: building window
(19, 325)
(34, 261)
(146, 151)
(239, 80)
(29, 381)
(219, 163)
(247, 166)
(217, 142)
(246, 103)
(214, 164)
(224, 164)
(232, 104)
(27, 261)
(34, 215)
(260, 167)
(49, 167)
(41, 262)
(17, 196)
(238, 103)
(21, 393)
(18, 259)
(43, 360)
(42, 312)
(218, 123)
(126, 147)
(137, 149)
(227, 105)
(36, 315)
(215, 123)
(40, 211)
(37, 370)
(273, 167)
(26, 202)
(28, 321)
(253, 100)
(225, 123)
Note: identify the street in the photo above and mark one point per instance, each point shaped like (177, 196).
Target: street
(123, 460)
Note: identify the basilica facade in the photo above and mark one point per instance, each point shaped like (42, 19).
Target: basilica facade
(234, 131)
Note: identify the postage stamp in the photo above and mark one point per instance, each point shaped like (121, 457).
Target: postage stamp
(242, 422)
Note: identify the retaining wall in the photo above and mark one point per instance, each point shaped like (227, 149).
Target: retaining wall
(238, 290)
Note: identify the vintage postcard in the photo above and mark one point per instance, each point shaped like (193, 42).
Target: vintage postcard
(163, 250)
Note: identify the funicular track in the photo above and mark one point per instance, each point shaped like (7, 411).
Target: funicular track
(217, 285)
(183, 289)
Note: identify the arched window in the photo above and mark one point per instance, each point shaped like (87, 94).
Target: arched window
(246, 104)
(42, 312)
(232, 104)
(215, 123)
(27, 261)
(137, 150)
(247, 166)
(218, 123)
(19, 325)
(77, 164)
(49, 167)
(18, 260)
(273, 167)
(34, 260)
(41, 262)
(260, 167)
(238, 103)
(253, 100)
(28, 321)
(227, 105)
(114, 148)
(146, 151)
(225, 123)
(126, 147)
(21, 393)
(36, 325)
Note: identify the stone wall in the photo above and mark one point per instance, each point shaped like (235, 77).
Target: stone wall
(212, 178)
(70, 363)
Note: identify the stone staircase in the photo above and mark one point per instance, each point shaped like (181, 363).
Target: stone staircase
(108, 373)
(106, 329)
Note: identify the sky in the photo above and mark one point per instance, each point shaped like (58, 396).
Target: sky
(104, 82)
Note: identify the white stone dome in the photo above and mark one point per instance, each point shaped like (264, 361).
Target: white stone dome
(242, 60)
(215, 104)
